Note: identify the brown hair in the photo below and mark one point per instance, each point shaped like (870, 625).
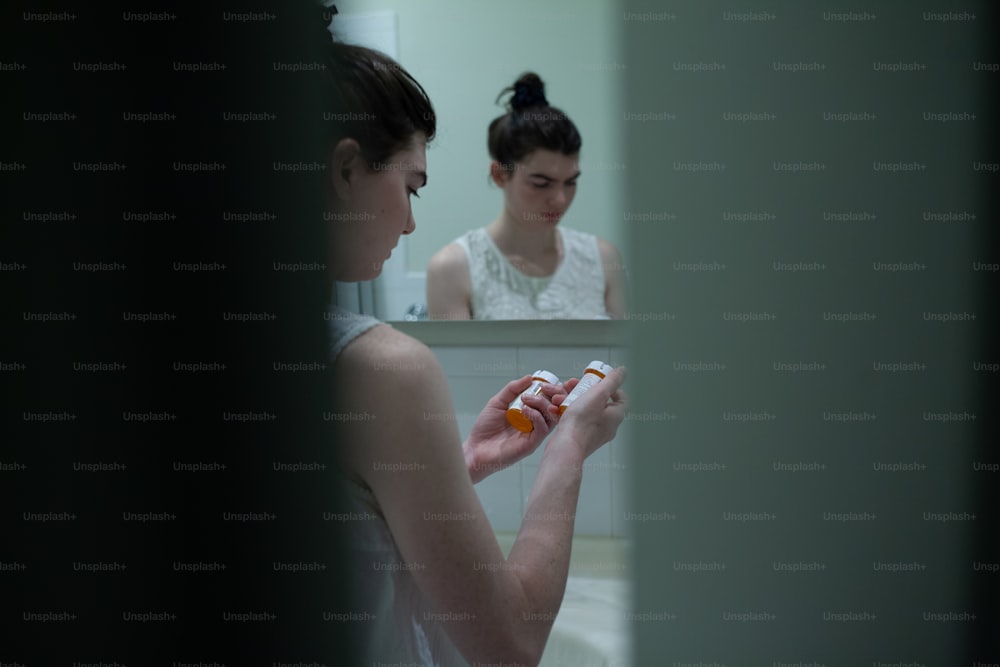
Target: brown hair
(529, 124)
(373, 100)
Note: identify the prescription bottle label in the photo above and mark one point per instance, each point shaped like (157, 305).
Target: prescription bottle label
(594, 373)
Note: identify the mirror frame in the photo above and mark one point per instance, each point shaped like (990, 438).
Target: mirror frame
(542, 333)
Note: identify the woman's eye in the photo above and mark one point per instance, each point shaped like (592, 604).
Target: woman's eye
(541, 185)
(414, 193)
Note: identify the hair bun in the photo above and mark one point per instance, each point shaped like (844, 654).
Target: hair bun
(514, 135)
(325, 13)
(529, 91)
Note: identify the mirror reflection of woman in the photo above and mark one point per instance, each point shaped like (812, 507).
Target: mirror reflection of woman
(524, 265)
(431, 585)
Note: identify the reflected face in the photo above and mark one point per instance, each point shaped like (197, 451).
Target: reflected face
(367, 226)
(541, 187)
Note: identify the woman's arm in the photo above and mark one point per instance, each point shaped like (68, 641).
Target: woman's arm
(449, 289)
(410, 454)
(614, 279)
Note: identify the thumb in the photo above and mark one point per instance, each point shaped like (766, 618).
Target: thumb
(602, 392)
(511, 390)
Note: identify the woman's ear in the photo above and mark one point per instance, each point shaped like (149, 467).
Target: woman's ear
(345, 163)
(498, 174)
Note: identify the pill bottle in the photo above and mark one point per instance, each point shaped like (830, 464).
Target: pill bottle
(594, 373)
(515, 411)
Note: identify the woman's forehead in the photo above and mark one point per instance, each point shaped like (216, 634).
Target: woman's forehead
(550, 163)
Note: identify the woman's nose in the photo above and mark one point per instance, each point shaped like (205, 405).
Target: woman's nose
(559, 197)
(411, 225)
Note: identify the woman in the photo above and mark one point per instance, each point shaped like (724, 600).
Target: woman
(432, 585)
(523, 265)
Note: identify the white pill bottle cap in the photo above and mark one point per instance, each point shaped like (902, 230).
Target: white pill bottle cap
(551, 378)
(600, 367)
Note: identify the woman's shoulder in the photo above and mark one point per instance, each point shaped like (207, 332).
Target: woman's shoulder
(476, 241)
(580, 236)
(607, 249)
(344, 326)
(383, 349)
(451, 261)
(587, 243)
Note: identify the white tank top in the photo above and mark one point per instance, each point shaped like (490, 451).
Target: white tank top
(501, 292)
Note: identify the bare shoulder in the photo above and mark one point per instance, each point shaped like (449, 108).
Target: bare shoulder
(615, 279)
(608, 250)
(393, 381)
(449, 260)
(449, 284)
(384, 339)
(384, 350)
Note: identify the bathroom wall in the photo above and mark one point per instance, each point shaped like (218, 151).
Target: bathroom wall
(476, 373)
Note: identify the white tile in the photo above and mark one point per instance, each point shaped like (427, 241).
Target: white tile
(470, 394)
(528, 472)
(619, 356)
(621, 497)
(536, 457)
(621, 480)
(593, 514)
(599, 460)
(465, 422)
(478, 361)
(500, 495)
(623, 439)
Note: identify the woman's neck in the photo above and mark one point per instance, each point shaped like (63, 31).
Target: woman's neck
(524, 240)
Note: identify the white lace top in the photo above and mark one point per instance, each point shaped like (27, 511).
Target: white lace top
(501, 292)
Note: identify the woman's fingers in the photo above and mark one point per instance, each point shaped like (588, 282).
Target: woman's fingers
(538, 405)
(538, 420)
(511, 390)
(553, 389)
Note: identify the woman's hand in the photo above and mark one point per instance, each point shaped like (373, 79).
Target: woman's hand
(594, 418)
(493, 444)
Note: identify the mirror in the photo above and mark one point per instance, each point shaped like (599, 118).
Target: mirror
(464, 58)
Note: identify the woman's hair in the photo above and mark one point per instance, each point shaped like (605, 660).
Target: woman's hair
(374, 101)
(529, 124)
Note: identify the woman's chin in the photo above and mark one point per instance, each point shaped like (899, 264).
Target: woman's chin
(376, 268)
(360, 274)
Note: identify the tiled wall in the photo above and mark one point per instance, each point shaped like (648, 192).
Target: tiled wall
(476, 373)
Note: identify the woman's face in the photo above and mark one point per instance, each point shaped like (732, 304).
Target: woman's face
(541, 187)
(372, 210)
